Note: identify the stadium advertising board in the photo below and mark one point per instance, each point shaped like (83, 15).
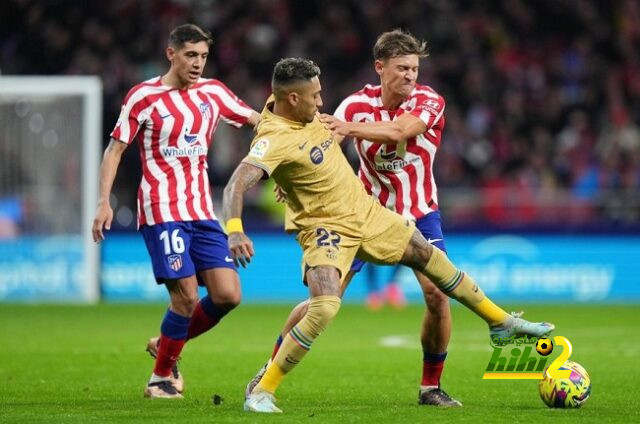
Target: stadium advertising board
(508, 267)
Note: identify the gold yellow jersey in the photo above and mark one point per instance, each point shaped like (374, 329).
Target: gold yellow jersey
(309, 165)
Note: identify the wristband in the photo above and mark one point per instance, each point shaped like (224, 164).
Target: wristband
(234, 225)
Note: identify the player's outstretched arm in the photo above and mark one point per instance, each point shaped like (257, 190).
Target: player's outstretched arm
(244, 177)
(104, 213)
(387, 132)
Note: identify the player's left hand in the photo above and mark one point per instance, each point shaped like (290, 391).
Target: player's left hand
(241, 248)
(335, 125)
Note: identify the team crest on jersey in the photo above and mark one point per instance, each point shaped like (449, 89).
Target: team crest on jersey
(316, 155)
(175, 262)
(332, 254)
(205, 110)
(260, 148)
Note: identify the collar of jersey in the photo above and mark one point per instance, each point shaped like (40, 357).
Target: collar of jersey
(271, 115)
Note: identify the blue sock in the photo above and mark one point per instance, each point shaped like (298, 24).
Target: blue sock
(175, 326)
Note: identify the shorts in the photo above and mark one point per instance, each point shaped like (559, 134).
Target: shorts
(182, 249)
(430, 226)
(381, 238)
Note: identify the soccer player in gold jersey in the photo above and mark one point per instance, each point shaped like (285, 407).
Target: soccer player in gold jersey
(335, 221)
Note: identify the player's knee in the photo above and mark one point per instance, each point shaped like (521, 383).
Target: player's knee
(321, 311)
(417, 253)
(324, 280)
(184, 303)
(228, 299)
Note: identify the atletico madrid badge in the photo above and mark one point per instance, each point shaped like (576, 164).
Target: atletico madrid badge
(175, 262)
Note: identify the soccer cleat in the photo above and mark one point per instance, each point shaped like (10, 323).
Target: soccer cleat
(261, 402)
(516, 326)
(437, 397)
(255, 380)
(161, 390)
(176, 377)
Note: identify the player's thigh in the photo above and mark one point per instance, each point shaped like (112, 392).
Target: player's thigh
(210, 248)
(324, 246)
(386, 236)
(168, 245)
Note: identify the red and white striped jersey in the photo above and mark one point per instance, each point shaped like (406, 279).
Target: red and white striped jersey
(401, 175)
(174, 130)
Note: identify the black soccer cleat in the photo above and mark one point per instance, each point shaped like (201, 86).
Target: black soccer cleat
(176, 377)
(162, 390)
(437, 397)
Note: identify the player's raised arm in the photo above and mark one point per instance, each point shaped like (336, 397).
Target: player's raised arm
(244, 177)
(108, 168)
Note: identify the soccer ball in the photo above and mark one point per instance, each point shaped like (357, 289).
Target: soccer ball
(544, 346)
(570, 392)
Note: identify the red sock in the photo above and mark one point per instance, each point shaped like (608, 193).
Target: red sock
(432, 367)
(200, 322)
(276, 347)
(168, 352)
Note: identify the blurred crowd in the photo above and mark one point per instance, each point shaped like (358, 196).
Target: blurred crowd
(543, 97)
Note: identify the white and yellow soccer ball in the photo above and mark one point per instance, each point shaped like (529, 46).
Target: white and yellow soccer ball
(570, 392)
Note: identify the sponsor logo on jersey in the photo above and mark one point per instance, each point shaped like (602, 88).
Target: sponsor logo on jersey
(394, 165)
(190, 138)
(259, 148)
(175, 262)
(432, 104)
(316, 155)
(175, 152)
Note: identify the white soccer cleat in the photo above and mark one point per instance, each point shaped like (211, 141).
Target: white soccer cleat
(255, 380)
(261, 402)
(517, 326)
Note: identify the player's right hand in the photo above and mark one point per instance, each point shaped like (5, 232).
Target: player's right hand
(103, 218)
(241, 248)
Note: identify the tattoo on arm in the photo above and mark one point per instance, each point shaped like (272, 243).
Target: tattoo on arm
(244, 177)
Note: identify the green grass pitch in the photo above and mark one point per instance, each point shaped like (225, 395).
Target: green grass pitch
(87, 364)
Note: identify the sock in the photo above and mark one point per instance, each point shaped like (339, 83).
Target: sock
(205, 316)
(276, 347)
(297, 342)
(458, 285)
(155, 378)
(173, 335)
(432, 366)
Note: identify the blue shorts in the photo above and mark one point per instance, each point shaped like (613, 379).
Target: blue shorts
(182, 249)
(429, 225)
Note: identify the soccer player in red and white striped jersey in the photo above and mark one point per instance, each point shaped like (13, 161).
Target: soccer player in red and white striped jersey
(173, 118)
(397, 127)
